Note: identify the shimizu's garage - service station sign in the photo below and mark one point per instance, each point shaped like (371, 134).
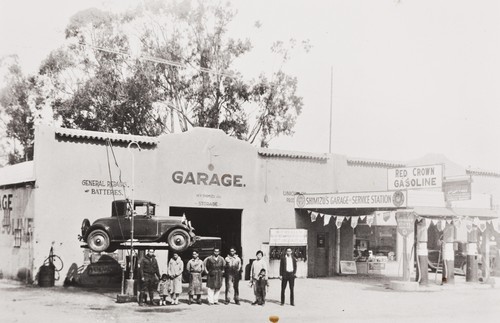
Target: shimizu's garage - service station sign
(384, 199)
(415, 177)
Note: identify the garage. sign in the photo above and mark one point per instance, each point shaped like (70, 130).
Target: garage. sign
(416, 177)
(406, 222)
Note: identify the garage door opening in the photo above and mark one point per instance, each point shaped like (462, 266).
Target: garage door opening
(223, 223)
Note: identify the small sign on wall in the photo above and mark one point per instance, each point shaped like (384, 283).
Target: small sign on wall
(375, 266)
(287, 237)
(321, 240)
(348, 267)
(457, 189)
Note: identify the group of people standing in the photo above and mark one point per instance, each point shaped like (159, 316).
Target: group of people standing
(170, 284)
(216, 268)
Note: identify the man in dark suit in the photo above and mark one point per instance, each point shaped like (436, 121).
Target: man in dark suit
(288, 269)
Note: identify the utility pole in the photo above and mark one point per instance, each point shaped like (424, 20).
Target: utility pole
(331, 111)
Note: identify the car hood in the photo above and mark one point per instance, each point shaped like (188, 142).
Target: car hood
(166, 219)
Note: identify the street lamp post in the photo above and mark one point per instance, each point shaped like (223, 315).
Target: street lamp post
(130, 281)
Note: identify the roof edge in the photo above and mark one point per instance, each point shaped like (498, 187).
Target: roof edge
(17, 174)
(104, 136)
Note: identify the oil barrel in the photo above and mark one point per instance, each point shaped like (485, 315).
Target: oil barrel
(46, 275)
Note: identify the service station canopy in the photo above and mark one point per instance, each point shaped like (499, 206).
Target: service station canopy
(361, 203)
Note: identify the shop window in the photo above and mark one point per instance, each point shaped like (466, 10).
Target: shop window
(29, 234)
(277, 252)
(17, 238)
(6, 218)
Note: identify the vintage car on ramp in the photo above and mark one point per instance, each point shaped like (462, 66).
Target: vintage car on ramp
(107, 234)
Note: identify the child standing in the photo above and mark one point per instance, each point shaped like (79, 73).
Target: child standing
(261, 287)
(164, 289)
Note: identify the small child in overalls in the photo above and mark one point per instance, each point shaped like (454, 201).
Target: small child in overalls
(261, 287)
(164, 289)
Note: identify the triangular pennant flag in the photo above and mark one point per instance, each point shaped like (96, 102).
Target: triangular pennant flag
(386, 216)
(440, 225)
(321, 214)
(448, 221)
(496, 225)
(434, 221)
(327, 219)
(362, 217)
(338, 221)
(354, 221)
(314, 215)
(482, 226)
(369, 220)
(427, 223)
(476, 221)
(469, 225)
(457, 222)
(347, 217)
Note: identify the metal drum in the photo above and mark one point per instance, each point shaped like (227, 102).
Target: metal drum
(46, 275)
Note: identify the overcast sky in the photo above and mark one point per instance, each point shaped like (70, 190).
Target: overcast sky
(410, 77)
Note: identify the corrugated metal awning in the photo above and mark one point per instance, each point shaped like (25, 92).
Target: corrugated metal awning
(290, 154)
(97, 135)
(480, 172)
(17, 174)
(373, 163)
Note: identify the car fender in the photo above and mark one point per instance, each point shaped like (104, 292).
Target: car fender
(99, 226)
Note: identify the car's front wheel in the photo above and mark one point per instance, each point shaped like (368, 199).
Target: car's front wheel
(178, 240)
(98, 240)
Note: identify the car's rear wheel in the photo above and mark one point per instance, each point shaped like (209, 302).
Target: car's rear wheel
(178, 240)
(98, 240)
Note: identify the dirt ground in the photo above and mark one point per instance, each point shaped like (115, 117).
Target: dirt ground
(338, 299)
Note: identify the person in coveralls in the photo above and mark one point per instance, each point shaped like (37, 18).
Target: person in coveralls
(150, 275)
(214, 267)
